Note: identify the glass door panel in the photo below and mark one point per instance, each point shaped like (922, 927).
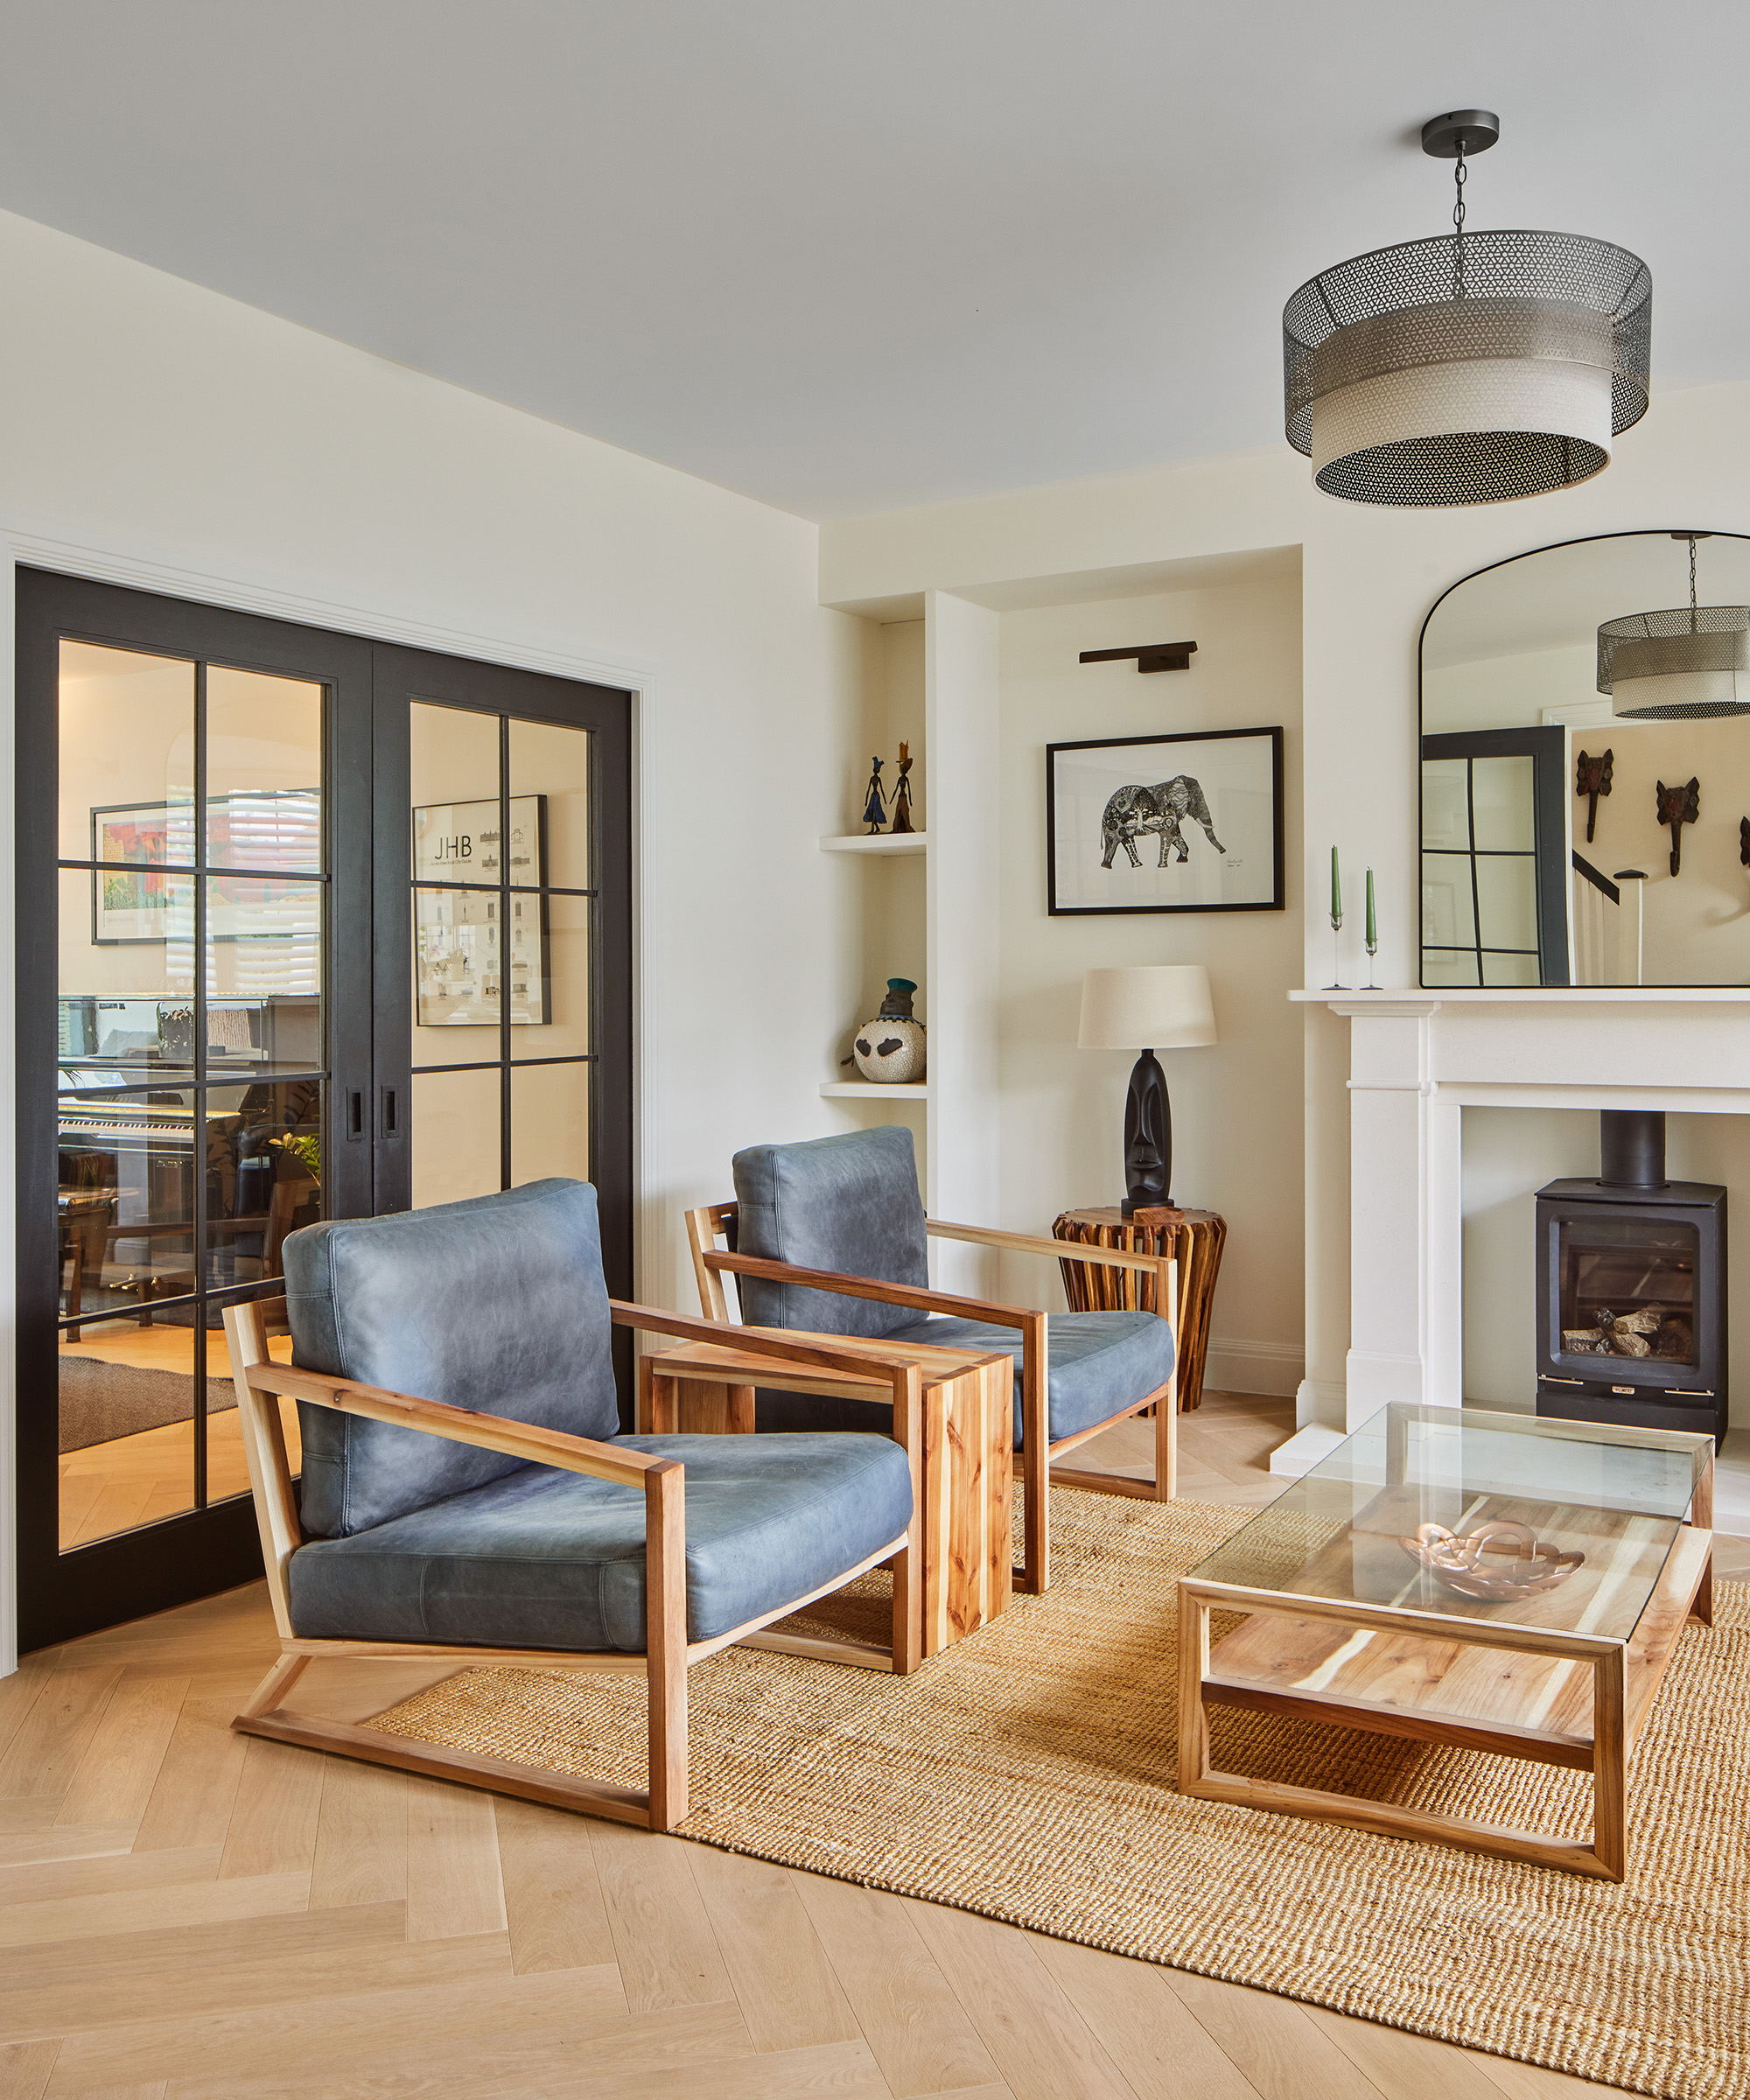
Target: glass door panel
(457, 1152)
(179, 840)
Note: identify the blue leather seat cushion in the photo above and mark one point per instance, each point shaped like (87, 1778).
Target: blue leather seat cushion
(1096, 1363)
(542, 1558)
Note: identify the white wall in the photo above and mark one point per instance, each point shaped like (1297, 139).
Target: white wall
(1236, 1107)
(148, 421)
(1369, 579)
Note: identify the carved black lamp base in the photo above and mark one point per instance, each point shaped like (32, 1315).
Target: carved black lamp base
(1148, 1137)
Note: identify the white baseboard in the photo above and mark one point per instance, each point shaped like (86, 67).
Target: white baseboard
(1253, 1367)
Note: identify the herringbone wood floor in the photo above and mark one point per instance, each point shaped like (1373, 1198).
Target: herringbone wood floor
(186, 1912)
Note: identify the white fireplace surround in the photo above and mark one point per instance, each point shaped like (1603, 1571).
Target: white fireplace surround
(1417, 1059)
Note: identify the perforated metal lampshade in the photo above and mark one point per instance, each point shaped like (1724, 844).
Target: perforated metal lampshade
(1688, 664)
(1474, 367)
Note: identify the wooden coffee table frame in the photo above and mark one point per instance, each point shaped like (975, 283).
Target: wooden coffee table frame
(1625, 1676)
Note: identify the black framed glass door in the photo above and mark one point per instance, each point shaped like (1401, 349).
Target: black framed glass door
(503, 936)
(234, 962)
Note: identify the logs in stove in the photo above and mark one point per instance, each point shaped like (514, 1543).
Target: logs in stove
(1631, 1289)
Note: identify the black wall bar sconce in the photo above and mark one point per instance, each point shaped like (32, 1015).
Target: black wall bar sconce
(1152, 656)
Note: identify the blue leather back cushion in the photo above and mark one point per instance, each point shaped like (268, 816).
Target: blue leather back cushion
(849, 1204)
(498, 1304)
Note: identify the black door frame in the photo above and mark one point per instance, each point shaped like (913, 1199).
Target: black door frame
(366, 993)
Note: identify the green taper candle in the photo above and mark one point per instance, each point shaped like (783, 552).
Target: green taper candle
(1336, 892)
(1373, 928)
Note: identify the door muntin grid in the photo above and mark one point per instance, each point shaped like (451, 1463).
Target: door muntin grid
(506, 950)
(198, 1071)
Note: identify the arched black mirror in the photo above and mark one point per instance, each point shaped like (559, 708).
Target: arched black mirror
(1586, 767)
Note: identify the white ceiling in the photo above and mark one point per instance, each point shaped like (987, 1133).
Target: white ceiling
(850, 254)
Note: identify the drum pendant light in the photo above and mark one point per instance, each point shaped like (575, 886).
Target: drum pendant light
(1684, 665)
(1474, 368)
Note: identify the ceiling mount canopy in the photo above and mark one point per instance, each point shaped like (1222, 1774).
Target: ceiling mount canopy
(1474, 367)
(1687, 664)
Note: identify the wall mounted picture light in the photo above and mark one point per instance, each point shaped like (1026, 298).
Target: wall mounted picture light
(1151, 657)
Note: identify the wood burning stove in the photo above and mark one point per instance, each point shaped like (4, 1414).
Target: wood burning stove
(1631, 1289)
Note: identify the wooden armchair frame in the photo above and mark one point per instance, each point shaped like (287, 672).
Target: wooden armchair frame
(669, 1655)
(712, 1221)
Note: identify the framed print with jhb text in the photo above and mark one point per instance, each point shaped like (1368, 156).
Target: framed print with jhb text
(1179, 823)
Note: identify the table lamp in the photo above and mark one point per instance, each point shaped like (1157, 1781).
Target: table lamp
(1164, 1006)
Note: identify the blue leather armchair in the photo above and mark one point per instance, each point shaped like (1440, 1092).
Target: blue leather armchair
(467, 1494)
(829, 1236)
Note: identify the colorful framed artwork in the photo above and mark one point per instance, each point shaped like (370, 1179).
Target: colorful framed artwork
(464, 950)
(1170, 823)
(144, 892)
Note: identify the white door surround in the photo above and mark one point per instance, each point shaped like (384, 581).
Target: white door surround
(1415, 1060)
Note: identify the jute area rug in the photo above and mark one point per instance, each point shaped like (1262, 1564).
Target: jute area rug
(1028, 1774)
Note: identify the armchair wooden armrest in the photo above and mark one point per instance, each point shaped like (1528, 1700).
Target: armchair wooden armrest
(1057, 1250)
(865, 1286)
(460, 1425)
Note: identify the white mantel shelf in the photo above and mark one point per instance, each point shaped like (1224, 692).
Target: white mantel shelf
(1426, 999)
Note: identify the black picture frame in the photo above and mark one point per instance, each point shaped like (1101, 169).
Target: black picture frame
(1269, 757)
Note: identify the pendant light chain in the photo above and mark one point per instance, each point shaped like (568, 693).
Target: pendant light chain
(1692, 584)
(1460, 176)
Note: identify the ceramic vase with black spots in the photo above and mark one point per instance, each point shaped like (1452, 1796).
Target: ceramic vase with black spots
(890, 1049)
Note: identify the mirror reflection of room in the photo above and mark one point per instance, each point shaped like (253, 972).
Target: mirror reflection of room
(1586, 767)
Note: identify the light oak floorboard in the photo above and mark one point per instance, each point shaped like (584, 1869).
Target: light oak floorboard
(452, 1877)
(88, 1841)
(1400, 2062)
(666, 1951)
(44, 1754)
(322, 2040)
(783, 1981)
(1157, 2043)
(196, 1791)
(116, 1873)
(150, 1910)
(115, 1776)
(1038, 2041)
(24, 2068)
(18, 1692)
(273, 1823)
(360, 1835)
(1275, 2044)
(905, 2006)
(552, 1893)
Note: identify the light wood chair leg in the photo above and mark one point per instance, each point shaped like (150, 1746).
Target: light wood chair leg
(1167, 1442)
(908, 1567)
(665, 1641)
(740, 1404)
(273, 1687)
(1035, 1572)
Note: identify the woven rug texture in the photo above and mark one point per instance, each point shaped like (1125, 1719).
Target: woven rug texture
(1028, 1774)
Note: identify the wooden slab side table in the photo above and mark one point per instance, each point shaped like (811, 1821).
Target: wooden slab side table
(1197, 1236)
(968, 1417)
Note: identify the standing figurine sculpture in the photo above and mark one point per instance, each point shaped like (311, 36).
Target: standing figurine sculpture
(902, 792)
(875, 801)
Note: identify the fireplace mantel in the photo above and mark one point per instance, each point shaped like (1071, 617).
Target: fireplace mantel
(1418, 1058)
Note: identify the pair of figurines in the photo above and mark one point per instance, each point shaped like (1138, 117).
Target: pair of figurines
(875, 796)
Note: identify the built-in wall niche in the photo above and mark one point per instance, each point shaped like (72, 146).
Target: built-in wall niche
(892, 875)
(1586, 649)
(1509, 1155)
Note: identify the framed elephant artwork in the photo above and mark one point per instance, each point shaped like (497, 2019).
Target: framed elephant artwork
(1176, 823)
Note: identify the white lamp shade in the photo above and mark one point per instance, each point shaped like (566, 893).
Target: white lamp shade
(1162, 1007)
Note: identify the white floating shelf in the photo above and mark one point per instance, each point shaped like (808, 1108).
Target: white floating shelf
(878, 842)
(873, 1089)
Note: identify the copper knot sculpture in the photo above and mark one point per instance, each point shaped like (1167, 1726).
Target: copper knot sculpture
(1455, 1559)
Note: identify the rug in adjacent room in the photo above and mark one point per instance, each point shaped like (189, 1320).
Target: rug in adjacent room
(1028, 1774)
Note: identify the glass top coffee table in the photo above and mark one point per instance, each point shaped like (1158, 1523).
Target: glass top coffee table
(1496, 1582)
